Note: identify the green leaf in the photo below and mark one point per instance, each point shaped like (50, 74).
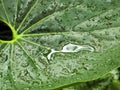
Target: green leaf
(58, 42)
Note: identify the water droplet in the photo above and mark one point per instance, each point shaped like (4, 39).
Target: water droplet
(75, 48)
(71, 48)
(52, 51)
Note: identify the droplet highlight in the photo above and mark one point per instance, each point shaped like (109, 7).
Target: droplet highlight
(71, 48)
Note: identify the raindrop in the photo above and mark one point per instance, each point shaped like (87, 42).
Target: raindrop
(71, 48)
(52, 51)
(75, 48)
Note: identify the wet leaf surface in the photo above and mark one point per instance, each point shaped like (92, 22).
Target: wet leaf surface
(60, 42)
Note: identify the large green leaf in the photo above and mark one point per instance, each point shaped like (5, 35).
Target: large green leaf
(58, 42)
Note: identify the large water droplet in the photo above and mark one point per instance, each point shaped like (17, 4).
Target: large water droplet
(76, 48)
(71, 48)
(50, 54)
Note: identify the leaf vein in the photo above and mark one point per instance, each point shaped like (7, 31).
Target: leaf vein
(6, 14)
(32, 61)
(26, 16)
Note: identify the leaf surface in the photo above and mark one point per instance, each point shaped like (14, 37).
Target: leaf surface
(60, 42)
